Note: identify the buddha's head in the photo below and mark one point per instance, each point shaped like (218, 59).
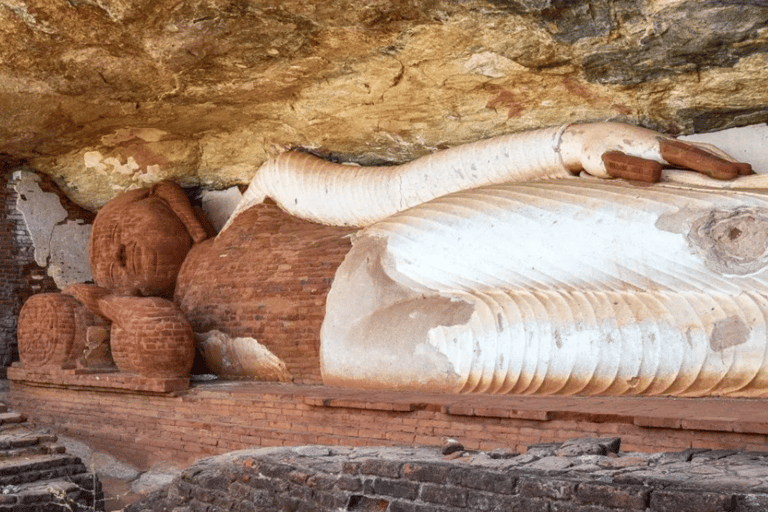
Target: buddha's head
(140, 239)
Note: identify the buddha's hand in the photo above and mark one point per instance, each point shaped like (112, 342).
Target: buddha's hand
(619, 150)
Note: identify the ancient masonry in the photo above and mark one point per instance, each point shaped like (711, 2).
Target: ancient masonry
(584, 475)
(20, 276)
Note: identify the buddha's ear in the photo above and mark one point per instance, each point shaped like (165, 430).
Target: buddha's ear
(174, 195)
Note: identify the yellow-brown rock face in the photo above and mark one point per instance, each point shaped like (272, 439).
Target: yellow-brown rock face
(106, 95)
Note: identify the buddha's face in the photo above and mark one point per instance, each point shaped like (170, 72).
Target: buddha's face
(137, 247)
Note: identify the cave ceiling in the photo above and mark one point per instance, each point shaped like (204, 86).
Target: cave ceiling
(108, 95)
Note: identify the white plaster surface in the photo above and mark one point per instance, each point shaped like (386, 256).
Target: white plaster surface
(544, 284)
(558, 287)
(41, 211)
(218, 205)
(241, 357)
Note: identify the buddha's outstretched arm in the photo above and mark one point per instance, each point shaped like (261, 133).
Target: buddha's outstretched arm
(337, 194)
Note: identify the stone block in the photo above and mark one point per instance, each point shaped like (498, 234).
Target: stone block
(268, 484)
(628, 497)
(751, 503)
(589, 446)
(546, 488)
(351, 467)
(322, 481)
(277, 470)
(567, 506)
(366, 503)
(395, 488)
(381, 467)
(443, 495)
(330, 500)
(489, 502)
(406, 506)
(690, 501)
(483, 480)
(551, 463)
(426, 471)
(348, 483)
(213, 479)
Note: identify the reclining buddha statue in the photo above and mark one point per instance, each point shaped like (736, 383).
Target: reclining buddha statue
(570, 260)
(521, 265)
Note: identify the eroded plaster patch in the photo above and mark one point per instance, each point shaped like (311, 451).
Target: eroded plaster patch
(59, 244)
(41, 211)
(96, 161)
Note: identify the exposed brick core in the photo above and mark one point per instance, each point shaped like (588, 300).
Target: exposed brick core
(139, 242)
(52, 330)
(266, 277)
(150, 337)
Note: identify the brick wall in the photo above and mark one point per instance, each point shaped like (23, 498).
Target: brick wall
(20, 276)
(265, 277)
(221, 417)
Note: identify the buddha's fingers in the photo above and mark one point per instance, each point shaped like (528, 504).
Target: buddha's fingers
(688, 156)
(621, 165)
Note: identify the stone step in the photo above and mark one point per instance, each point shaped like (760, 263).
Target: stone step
(23, 439)
(20, 442)
(11, 418)
(3, 407)
(37, 449)
(23, 470)
(79, 489)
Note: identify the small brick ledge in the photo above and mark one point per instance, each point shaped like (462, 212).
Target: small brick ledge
(94, 379)
(323, 479)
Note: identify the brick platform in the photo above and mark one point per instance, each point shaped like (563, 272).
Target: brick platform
(218, 417)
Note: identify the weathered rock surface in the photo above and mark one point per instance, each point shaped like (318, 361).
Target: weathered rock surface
(105, 95)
